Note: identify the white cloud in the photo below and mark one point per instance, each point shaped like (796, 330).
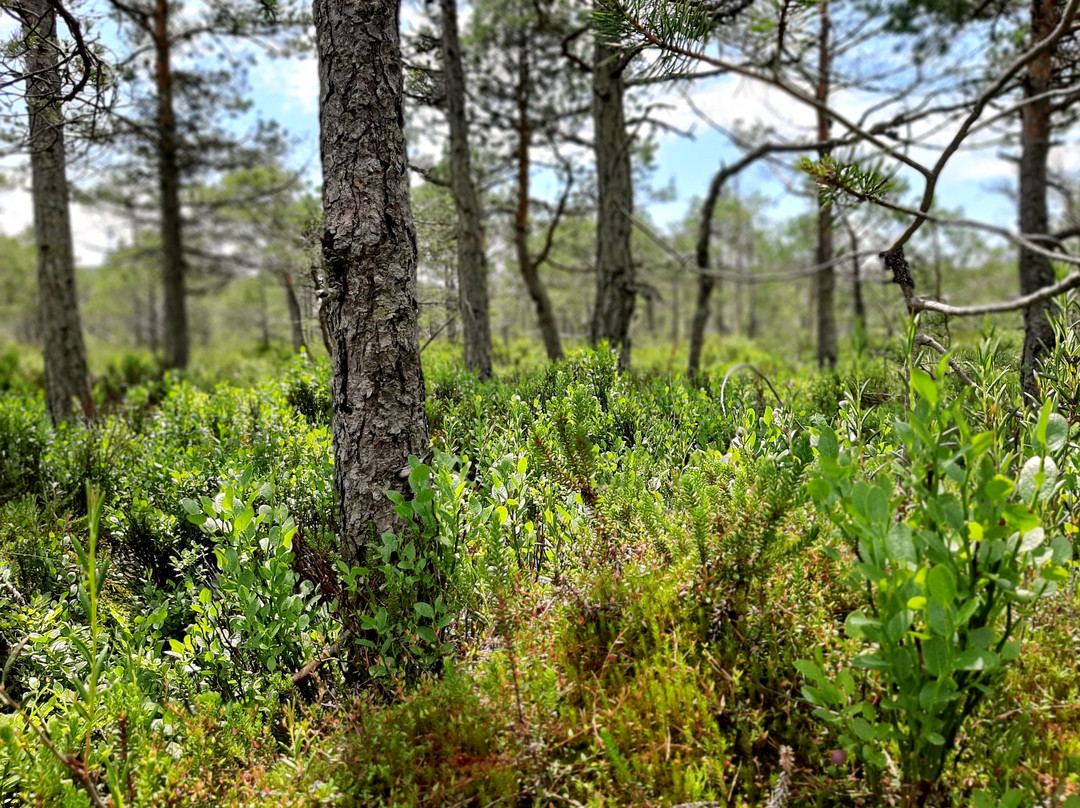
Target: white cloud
(94, 232)
(298, 80)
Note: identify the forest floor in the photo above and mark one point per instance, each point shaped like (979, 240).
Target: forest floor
(613, 590)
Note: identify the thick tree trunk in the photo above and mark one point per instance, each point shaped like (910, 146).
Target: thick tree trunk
(825, 282)
(66, 377)
(177, 340)
(1036, 270)
(615, 285)
(471, 263)
(369, 251)
(296, 316)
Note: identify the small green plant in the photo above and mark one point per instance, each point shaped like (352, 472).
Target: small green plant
(91, 676)
(257, 611)
(950, 552)
(400, 597)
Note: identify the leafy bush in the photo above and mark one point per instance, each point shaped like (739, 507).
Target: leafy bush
(951, 559)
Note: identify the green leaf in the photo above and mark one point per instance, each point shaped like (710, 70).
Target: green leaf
(940, 619)
(1057, 432)
(976, 660)
(1032, 539)
(1020, 518)
(1038, 476)
(427, 635)
(1012, 798)
(941, 584)
(998, 487)
(827, 444)
(934, 737)
(862, 728)
(424, 609)
(926, 387)
(898, 624)
(809, 670)
(900, 544)
(857, 623)
(818, 488)
(243, 519)
(418, 477)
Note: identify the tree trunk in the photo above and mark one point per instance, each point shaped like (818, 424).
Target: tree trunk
(826, 276)
(471, 263)
(176, 337)
(706, 283)
(697, 326)
(369, 251)
(746, 261)
(264, 316)
(530, 272)
(676, 314)
(858, 304)
(296, 316)
(66, 377)
(615, 286)
(1036, 270)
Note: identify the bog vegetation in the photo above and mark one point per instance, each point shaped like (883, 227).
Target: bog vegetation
(612, 589)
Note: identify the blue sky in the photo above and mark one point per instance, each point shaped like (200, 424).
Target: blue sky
(287, 90)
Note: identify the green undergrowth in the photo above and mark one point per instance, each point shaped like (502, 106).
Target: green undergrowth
(612, 589)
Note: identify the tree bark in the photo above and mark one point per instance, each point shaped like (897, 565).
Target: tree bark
(616, 291)
(530, 271)
(857, 302)
(471, 262)
(825, 282)
(177, 340)
(66, 376)
(369, 251)
(1036, 270)
(706, 283)
(296, 316)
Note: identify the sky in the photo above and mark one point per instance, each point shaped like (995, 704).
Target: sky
(287, 90)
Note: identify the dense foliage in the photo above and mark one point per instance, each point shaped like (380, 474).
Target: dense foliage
(613, 590)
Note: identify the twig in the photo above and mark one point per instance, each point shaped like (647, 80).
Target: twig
(925, 339)
(328, 653)
(438, 331)
(1064, 285)
(79, 773)
(745, 366)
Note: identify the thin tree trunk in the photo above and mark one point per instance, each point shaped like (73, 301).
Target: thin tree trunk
(177, 340)
(616, 291)
(706, 283)
(369, 251)
(471, 263)
(530, 272)
(826, 276)
(1036, 270)
(66, 377)
(676, 313)
(746, 261)
(858, 303)
(296, 316)
(697, 325)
